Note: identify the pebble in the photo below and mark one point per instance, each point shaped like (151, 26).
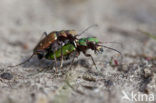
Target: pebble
(7, 76)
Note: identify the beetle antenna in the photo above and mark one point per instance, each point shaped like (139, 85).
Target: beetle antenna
(114, 50)
(23, 62)
(111, 49)
(94, 25)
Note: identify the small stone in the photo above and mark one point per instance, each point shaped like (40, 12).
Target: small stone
(108, 83)
(147, 72)
(6, 75)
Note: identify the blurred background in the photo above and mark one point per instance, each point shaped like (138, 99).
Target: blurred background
(22, 23)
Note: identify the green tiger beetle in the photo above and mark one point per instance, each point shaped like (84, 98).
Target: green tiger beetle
(53, 41)
(82, 45)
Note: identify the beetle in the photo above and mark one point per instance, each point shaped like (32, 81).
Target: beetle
(82, 45)
(53, 41)
(56, 39)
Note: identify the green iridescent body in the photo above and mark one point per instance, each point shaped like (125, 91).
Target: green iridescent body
(66, 49)
(70, 48)
(83, 41)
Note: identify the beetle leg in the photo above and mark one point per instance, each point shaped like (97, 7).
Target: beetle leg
(88, 55)
(75, 55)
(45, 33)
(55, 63)
(72, 62)
(61, 58)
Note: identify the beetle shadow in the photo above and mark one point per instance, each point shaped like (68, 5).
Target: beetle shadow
(35, 62)
(50, 64)
(82, 62)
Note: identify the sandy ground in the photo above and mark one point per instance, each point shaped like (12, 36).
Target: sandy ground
(22, 23)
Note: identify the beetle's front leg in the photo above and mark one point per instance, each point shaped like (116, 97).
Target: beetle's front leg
(89, 55)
